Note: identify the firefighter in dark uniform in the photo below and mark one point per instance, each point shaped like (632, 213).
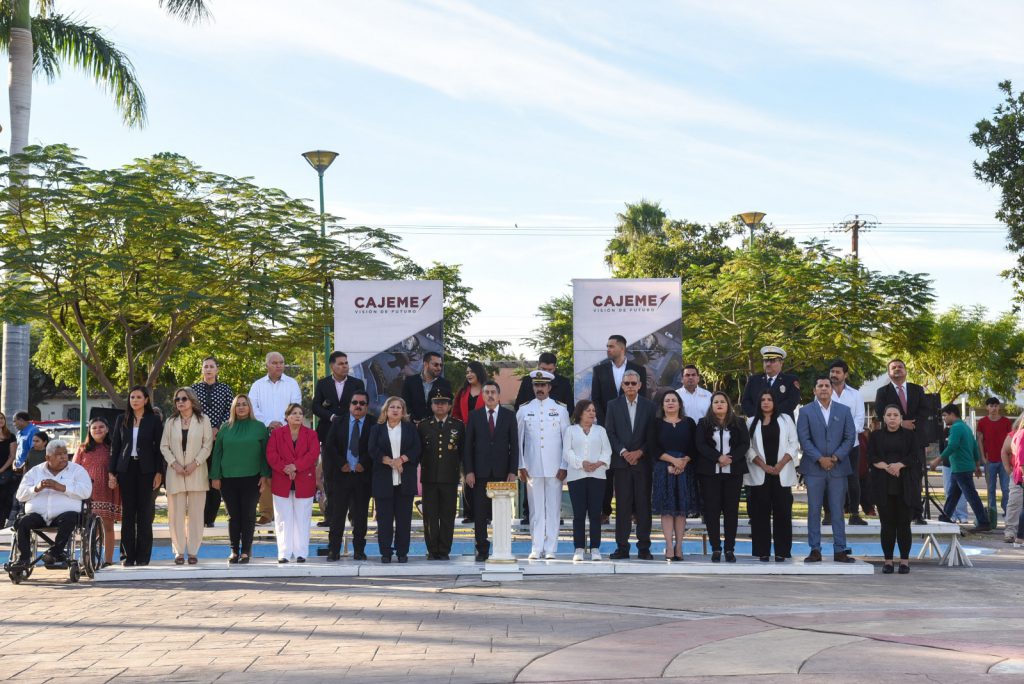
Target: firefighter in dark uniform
(440, 469)
(785, 387)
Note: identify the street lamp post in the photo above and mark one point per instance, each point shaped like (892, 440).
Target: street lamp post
(321, 160)
(752, 219)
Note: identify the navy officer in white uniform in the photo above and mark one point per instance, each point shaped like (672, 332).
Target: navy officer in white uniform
(542, 422)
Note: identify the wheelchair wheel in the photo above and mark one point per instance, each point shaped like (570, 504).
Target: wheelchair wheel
(92, 546)
(74, 571)
(16, 576)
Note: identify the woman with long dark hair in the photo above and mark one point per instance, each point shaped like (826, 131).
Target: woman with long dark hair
(137, 469)
(722, 443)
(771, 474)
(94, 455)
(673, 493)
(9, 479)
(467, 399)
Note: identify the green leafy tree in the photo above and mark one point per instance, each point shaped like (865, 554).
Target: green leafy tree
(554, 334)
(159, 255)
(1001, 138)
(966, 352)
(639, 220)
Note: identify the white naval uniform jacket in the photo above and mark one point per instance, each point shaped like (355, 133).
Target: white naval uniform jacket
(541, 425)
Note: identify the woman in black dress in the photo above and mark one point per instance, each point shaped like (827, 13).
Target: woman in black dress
(892, 458)
(673, 490)
(722, 443)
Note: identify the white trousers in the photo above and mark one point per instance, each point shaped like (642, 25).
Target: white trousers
(291, 521)
(185, 518)
(545, 497)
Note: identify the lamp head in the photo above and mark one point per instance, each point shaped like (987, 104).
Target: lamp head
(752, 218)
(320, 159)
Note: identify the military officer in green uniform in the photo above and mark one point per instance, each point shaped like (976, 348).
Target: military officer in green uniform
(441, 437)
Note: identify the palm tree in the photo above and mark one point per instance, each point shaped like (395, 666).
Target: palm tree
(43, 44)
(639, 220)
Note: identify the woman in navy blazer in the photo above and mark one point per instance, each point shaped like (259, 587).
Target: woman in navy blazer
(395, 452)
(292, 452)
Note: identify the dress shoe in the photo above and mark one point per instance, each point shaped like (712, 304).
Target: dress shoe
(827, 520)
(730, 557)
(481, 557)
(385, 559)
(282, 561)
(716, 556)
(403, 559)
(332, 556)
(619, 555)
(141, 564)
(443, 556)
(764, 559)
(467, 521)
(780, 559)
(919, 520)
(322, 523)
(857, 520)
(243, 559)
(813, 557)
(904, 569)
(233, 558)
(431, 556)
(843, 557)
(127, 563)
(677, 559)
(358, 555)
(981, 528)
(300, 559)
(887, 569)
(945, 518)
(645, 555)
(870, 510)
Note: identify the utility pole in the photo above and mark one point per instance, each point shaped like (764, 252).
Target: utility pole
(854, 227)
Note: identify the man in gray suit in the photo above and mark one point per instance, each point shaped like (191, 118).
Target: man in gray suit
(827, 434)
(629, 423)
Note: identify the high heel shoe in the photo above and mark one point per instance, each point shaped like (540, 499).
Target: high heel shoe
(179, 560)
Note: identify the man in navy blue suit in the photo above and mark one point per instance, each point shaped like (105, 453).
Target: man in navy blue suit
(827, 434)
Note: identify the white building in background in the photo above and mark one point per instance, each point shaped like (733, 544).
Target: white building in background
(65, 405)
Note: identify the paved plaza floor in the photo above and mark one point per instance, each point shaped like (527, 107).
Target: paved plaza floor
(936, 624)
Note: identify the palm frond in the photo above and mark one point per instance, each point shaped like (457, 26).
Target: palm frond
(59, 39)
(191, 11)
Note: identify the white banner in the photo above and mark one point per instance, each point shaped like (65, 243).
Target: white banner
(646, 311)
(385, 327)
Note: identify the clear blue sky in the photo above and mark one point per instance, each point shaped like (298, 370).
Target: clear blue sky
(480, 115)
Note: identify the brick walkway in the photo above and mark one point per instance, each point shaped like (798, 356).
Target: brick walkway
(946, 625)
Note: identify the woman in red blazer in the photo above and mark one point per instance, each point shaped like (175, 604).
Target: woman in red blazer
(292, 452)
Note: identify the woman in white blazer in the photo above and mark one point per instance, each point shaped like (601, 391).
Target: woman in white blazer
(771, 474)
(587, 452)
(186, 445)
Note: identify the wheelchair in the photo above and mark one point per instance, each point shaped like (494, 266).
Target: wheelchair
(84, 549)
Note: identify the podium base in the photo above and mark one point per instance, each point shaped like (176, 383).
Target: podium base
(501, 571)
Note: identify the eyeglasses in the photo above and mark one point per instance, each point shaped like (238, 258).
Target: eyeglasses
(630, 383)
(179, 400)
(358, 403)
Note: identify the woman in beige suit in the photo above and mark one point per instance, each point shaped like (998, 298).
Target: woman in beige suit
(186, 445)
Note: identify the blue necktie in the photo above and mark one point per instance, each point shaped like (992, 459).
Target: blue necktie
(353, 445)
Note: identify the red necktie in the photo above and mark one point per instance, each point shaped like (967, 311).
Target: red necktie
(903, 398)
(490, 420)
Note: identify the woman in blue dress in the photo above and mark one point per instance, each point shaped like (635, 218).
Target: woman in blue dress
(673, 495)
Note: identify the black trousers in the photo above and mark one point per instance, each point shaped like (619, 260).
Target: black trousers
(633, 495)
(137, 503)
(7, 492)
(241, 496)
(439, 508)
(325, 505)
(587, 497)
(350, 501)
(771, 518)
(482, 510)
(895, 517)
(609, 490)
(721, 499)
(65, 524)
(467, 503)
(394, 523)
(212, 506)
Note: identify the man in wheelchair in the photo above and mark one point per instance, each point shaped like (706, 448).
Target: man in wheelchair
(52, 493)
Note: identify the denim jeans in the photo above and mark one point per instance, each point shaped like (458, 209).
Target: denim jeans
(947, 482)
(963, 483)
(994, 472)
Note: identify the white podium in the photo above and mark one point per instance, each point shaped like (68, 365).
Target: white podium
(501, 565)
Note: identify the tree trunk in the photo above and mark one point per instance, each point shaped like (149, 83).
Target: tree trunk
(14, 383)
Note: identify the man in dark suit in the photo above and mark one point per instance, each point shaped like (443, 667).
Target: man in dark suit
(785, 387)
(346, 466)
(561, 386)
(606, 385)
(441, 437)
(417, 388)
(331, 399)
(911, 402)
(491, 454)
(629, 423)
